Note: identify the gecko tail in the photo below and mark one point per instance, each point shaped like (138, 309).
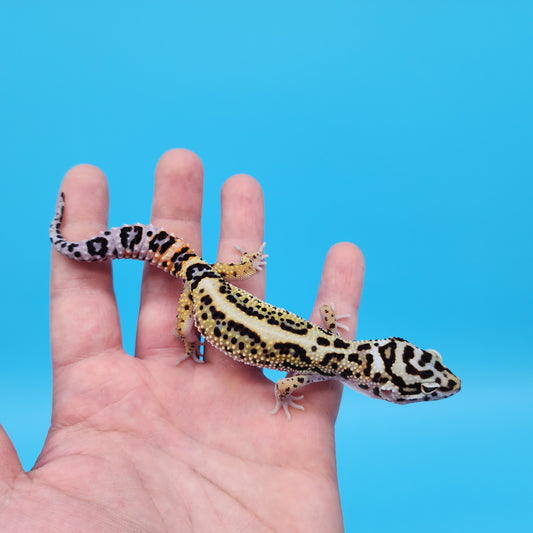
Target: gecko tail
(130, 241)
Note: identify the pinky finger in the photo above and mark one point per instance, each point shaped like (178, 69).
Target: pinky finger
(341, 284)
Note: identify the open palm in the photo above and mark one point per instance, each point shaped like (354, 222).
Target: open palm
(138, 444)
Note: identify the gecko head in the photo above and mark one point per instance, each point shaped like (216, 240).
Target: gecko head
(418, 376)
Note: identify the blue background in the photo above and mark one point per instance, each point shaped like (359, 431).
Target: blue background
(402, 126)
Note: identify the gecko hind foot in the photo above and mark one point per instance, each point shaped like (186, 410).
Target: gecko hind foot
(286, 403)
(195, 354)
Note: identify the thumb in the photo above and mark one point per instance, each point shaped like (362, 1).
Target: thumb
(10, 466)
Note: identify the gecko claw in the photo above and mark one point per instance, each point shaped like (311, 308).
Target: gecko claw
(286, 403)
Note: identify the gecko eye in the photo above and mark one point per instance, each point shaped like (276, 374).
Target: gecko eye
(429, 387)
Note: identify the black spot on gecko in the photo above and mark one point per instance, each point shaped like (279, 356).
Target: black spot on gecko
(451, 385)
(425, 358)
(397, 380)
(369, 360)
(293, 329)
(197, 272)
(331, 355)
(388, 354)
(439, 367)
(128, 243)
(167, 244)
(354, 358)
(289, 348)
(243, 330)
(322, 341)
(138, 230)
(250, 311)
(216, 314)
(124, 236)
(364, 346)
(97, 246)
(339, 343)
(182, 255)
(408, 354)
(157, 238)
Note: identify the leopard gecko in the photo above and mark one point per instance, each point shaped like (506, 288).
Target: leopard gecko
(256, 333)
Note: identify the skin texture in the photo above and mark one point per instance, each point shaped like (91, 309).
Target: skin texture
(137, 444)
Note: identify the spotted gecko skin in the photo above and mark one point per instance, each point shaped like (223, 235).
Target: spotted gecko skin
(256, 333)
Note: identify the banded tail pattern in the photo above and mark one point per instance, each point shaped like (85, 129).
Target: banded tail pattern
(138, 241)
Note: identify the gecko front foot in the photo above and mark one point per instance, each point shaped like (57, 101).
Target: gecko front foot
(257, 259)
(331, 319)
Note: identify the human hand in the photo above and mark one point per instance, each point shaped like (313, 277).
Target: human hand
(137, 444)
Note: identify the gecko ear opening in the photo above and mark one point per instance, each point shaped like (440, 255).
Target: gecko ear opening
(387, 393)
